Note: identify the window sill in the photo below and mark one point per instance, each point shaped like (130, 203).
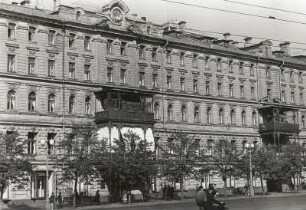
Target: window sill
(32, 74)
(32, 42)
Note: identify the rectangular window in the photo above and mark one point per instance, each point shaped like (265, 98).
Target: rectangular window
(292, 97)
(182, 84)
(182, 59)
(154, 80)
(195, 61)
(269, 94)
(71, 40)
(11, 31)
(123, 48)
(169, 82)
(31, 65)
(31, 34)
(71, 74)
(168, 57)
(241, 91)
(51, 68)
(11, 63)
(241, 68)
(32, 143)
(283, 99)
(231, 90)
(219, 64)
(87, 43)
(206, 65)
(123, 76)
(252, 92)
(209, 147)
(87, 72)
(195, 85)
(142, 52)
(301, 77)
(219, 88)
(252, 70)
(109, 47)
(283, 74)
(230, 66)
(141, 79)
(109, 74)
(301, 98)
(268, 73)
(154, 54)
(207, 87)
(51, 143)
(291, 75)
(51, 37)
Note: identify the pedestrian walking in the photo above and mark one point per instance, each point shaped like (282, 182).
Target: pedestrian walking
(60, 200)
(52, 201)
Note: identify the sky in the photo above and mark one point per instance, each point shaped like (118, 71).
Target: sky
(159, 11)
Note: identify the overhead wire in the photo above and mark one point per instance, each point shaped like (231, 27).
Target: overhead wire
(234, 12)
(265, 7)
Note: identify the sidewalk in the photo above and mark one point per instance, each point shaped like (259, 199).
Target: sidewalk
(188, 200)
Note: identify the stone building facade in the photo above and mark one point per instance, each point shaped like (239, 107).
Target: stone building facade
(55, 62)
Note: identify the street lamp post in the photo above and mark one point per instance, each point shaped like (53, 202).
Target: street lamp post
(43, 142)
(250, 147)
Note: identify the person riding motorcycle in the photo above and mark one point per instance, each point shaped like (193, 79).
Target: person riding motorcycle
(205, 199)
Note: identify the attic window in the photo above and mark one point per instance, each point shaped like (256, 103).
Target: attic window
(149, 30)
(78, 15)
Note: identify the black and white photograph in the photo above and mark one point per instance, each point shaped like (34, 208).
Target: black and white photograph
(153, 104)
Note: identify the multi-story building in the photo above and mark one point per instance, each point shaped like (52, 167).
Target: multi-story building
(71, 65)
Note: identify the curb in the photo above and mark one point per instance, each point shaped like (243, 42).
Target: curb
(189, 200)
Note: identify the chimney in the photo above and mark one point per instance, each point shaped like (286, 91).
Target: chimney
(247, 41)
(56, 4)
(144, 19)
(25, 2)
(182, 25)
(226, 36)
(285, 46)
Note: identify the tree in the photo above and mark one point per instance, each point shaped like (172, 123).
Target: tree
(132, 166)
(225, 157)
(180, 158)
(293, 160)
(14, 166)
(81, 147)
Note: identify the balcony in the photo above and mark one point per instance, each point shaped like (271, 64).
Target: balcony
(124, 116)
(282, 127)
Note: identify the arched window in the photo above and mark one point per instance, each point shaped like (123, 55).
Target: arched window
(156, 111)
(32, 102)
(232, 117)
(71, 105)
(88, 105)
(196, 114)
(209, 115)
(170, 112)
(243, 118)
(11, 100)
(254, 118)
(78, 15)
(149, 30)
(184, 110)
(221, 116)
(303, 121)
(51, 103)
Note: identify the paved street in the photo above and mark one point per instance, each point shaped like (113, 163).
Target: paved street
(268, 203)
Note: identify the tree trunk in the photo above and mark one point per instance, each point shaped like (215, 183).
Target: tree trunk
(262, 187)
(74, 200)
(182, 187)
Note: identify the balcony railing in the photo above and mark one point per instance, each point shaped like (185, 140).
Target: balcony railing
(138, 117)
(283, 127)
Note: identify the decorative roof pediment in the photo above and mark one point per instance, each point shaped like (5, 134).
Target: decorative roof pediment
(135, 29)
(115, 3)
